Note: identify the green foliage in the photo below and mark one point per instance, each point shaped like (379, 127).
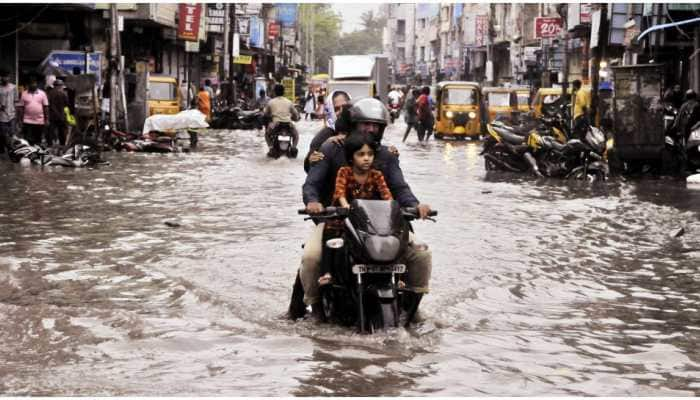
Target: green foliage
(326, 32)
(368, 40)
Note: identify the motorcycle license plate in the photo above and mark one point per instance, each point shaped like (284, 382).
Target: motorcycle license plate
(378, 269)
(284, 138)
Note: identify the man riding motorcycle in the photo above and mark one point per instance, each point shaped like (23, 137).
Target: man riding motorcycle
(369, 116)
(282, 112)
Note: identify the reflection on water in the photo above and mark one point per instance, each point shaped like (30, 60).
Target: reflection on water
(539, 286)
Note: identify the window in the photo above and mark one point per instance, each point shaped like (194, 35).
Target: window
(459, 96)
(523, 98)
(401, 27)
(162, 91)
(401, 53)
(421, 22)
(499, 99)
(422, 53)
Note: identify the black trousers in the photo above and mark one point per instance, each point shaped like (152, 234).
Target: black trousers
(33, 133)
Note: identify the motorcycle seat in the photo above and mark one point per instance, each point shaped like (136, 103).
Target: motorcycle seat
(509, 136)
(248, 113)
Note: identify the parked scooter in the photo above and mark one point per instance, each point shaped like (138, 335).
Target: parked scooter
(237, 118)
(366, 289)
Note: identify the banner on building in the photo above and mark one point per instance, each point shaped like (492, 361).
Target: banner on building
(286, 14)
(256, 32)
(236, 45)
(288, 84)
(273, 30)
(481, 31)
(216, 17)
(243, 59)
(546, 27)
(188, 26)
(427, 10)
(192, 47)
(243, 25)
(457, 12)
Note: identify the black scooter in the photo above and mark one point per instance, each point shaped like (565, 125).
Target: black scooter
(363, 261)
(237, 118)
(282, 142)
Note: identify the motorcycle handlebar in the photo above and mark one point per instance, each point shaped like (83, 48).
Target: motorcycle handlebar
(342, 212)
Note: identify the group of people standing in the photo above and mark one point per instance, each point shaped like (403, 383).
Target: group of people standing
(418, 113)
(314, 103)
(40, 116)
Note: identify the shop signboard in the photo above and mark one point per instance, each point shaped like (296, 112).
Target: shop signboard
(243, 59)
(547, 27)
(288, 84)
(256, 32)
(243, 24)
(286, 14)
(273, 30)
(189, 18)
(216, 17)
(481, 30)
(67, 60)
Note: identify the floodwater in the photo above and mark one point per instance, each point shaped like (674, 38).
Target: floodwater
(539, 287)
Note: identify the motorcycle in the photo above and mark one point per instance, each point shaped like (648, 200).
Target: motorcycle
(366, 288)
(692, 148)
(154, 142)
(394, 111)
(237, 118)
(76, 156)
(282, 142)
(544, 154)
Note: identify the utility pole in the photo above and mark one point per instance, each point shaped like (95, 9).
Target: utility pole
(227, 55)
(113, 64)
(235, 29)
(595, 66)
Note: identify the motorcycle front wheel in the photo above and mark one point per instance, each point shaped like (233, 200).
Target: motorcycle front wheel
(592, 175)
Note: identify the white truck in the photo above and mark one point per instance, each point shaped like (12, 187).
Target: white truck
(359, 75)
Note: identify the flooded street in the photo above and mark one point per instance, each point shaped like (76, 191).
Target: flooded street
(539, 287)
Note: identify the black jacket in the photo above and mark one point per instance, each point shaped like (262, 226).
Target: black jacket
(320, 181)
(316, 143)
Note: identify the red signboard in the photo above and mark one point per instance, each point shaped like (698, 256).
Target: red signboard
(273, 30)
(547, 27)
(188, 25)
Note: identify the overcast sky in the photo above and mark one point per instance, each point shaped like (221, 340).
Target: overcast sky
(351, 13)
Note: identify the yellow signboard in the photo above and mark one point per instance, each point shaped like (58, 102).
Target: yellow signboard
(288, 84)
(243, 59)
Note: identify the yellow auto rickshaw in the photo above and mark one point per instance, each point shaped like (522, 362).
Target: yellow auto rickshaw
(501, 103)
(547, 98)
(163, 95)
(458, 109)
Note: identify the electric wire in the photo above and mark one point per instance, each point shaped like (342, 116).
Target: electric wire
(26, 24)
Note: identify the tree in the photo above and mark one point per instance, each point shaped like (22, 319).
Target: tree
(367, 40)
(320, 32)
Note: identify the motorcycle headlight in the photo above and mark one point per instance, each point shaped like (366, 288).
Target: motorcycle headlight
(450, 114)
(472, 115)
(335, 243)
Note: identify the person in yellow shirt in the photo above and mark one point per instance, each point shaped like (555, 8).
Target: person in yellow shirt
(582, 105)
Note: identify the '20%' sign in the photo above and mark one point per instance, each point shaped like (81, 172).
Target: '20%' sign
(547, 27)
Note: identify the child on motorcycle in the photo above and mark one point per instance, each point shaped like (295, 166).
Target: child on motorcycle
(358, 180)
